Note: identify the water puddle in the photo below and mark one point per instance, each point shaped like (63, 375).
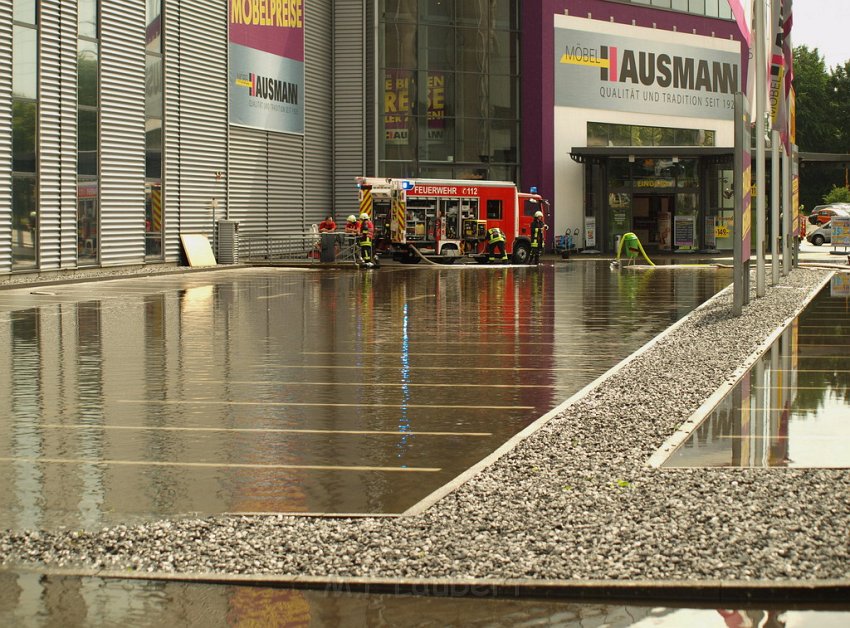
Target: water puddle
(792, 409)
(274, 390)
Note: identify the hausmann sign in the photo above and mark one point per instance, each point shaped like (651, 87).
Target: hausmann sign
(599, 65)
(267, 64)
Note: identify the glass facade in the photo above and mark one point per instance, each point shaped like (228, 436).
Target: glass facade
(709, 8)
(88, 127)
(450, 88)
(154, 223)
(24, 135)
(667, 202)
(604, 134)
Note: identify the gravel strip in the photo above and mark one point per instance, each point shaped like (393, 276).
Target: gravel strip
(576, 500)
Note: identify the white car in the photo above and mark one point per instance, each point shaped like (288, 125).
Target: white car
(821, 235)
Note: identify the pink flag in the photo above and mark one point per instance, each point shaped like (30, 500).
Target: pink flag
(743, 12)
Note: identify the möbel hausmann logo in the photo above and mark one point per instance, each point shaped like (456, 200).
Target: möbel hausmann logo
(267, 88)
(604, 71)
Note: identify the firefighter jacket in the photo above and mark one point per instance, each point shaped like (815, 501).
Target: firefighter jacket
(494, 234)
(537, 233)
(367, 232)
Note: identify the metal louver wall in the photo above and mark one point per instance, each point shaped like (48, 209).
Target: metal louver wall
(246, 179)
(5, 135)
(57, 182)
(195, 119)
(287, 185)
(349, 102)
(122, 133)
(318, 137)
(266, 183)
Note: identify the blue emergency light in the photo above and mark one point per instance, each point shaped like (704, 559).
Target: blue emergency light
(533, 189)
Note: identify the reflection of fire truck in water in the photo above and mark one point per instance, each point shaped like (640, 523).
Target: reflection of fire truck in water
(444, 220)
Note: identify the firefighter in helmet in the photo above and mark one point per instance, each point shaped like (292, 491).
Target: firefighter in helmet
(367, 234)
(351, 225)
(537, 229)
(496, 240)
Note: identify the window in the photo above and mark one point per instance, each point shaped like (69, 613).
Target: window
(709, 8)
(24, 135)
(604, 134)
(494, 209)
(450, 70)
(88, 132)
(154, 105)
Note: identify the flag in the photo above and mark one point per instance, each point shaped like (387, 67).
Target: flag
(743, 12)
(777, 97)
(751, 30)
(788, 17)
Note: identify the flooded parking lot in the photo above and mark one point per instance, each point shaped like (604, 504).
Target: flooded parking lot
(792, 408)
(289, 390)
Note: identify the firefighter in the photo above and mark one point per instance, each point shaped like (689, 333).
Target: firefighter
(496, 240)
(537, 229)
(351, 225)
(367, 233)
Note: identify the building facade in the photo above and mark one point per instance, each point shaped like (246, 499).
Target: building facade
(125, 123)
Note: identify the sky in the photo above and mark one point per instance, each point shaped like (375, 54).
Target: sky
(825, 25)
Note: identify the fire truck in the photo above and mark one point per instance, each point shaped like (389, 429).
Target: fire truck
(444, 220)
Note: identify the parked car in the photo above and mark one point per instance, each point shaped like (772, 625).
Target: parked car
(824, 213)
(821, 235)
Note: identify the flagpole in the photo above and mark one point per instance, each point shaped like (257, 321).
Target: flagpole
(775, 178)
(760, 59)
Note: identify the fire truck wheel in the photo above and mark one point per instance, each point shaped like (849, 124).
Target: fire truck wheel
(411, 259)
(522, 252)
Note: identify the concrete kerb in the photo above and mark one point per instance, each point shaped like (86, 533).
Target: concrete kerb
(464, 477)
(695, 420)
(670, 592)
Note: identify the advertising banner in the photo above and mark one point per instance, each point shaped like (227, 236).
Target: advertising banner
(640, 70)
(840, 231)
(590, 232)
(398, 107)
(397, 91)
(683, 232)
(266, 48)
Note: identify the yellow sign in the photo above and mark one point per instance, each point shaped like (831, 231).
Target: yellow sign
(721, 231)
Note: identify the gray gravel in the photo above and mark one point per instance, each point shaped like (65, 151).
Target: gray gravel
(574, 501)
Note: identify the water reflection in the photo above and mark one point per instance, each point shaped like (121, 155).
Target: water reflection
(275, 390)
(792, 409)
(30, 600)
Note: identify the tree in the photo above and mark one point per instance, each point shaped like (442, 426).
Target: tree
(816, 127)
(823, 125)
(837, 195)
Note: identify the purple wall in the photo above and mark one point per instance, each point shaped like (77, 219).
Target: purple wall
(537, 82)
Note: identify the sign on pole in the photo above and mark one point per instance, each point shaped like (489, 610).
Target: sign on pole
(743, 205)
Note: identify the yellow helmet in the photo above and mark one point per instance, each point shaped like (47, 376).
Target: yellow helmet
(364, 216)
(351, 218)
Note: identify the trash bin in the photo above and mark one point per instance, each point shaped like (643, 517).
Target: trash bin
(328, 253)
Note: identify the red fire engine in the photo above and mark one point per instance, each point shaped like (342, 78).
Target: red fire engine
(446, 219)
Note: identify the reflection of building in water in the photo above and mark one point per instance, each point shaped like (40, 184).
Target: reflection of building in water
(790, 409)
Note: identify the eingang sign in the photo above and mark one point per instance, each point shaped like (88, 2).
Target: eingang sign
(611, 67)
(266, 77)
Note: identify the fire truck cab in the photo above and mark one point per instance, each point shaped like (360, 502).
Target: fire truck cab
(445, 220)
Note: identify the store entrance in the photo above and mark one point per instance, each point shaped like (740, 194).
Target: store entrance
(652, 219)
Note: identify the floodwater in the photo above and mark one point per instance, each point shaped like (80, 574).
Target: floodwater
(34, 600)
(295, 390)
(792, 408)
